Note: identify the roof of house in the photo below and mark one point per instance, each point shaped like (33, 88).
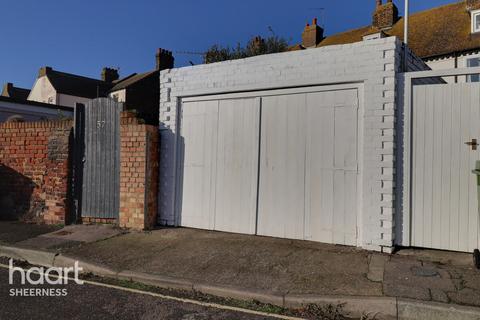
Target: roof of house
(35, 103)
(132, 79)
(79, 86)
(435, 32)
(9, 90)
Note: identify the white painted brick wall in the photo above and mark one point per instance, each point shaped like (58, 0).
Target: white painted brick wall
(374, 63)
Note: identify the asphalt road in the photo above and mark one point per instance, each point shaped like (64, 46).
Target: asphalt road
(95, 302)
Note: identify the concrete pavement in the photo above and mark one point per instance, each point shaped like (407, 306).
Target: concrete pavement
(282, 272)
(289, 266)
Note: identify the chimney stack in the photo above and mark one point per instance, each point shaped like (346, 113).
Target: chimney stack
(164, 59)
(44, 71)
(7, 87)
(109, 75)
(385, 15)
(312, 35)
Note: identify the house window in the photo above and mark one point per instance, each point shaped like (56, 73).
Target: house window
(475, 21)
(471, 63)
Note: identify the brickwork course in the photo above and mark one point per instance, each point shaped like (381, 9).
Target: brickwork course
(34, 171)
(138, 174)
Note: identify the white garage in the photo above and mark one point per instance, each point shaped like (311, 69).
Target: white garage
(298, 145)
(282, 163)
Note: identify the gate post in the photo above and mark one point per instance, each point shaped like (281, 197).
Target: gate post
(78, 159)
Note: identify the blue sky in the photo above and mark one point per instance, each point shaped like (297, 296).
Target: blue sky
(83, 36)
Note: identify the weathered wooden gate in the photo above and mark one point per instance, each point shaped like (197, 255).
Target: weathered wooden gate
(97, 159)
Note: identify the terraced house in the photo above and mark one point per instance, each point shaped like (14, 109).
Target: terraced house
(444, 37)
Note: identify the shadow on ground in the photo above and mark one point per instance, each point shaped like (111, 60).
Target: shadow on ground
(14, 231)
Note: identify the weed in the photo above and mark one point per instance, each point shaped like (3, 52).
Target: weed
(323, 312)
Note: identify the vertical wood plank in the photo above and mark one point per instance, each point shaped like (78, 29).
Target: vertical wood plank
(456, 145)
(473, 215)
(282, 167)
(437, 118)
(237, 165)
(446, 161)
(419, 106)
(428, 169)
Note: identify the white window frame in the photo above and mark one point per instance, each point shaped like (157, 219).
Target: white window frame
(475, 14)
(473, 56)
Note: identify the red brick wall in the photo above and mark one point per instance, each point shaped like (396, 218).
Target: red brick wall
(138, 174)
(34, 166)
(34, 172)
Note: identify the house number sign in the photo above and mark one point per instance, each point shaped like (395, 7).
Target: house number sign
(100, 124)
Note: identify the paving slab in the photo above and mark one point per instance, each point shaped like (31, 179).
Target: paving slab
(439, 296)
(85, 233)
(417, 275)
(438, 256)
(466, 296)
(70, 236)
(376, 267)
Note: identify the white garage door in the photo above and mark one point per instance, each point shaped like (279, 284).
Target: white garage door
(220, 148)
(305, 185)
(308, 168)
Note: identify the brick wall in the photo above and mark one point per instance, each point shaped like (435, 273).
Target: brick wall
(34, 167)
(374, 63)
(138, 174)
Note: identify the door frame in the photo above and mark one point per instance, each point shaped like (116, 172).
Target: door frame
(403, 225)
(195, 96)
